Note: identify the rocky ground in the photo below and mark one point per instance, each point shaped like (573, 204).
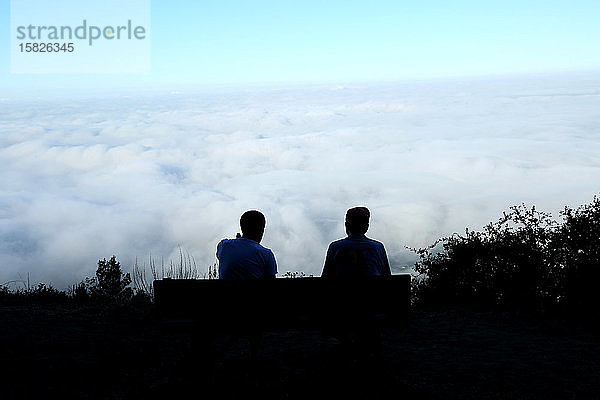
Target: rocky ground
(84, 352)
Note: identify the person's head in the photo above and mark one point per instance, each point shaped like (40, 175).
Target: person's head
(253, 225)
(357, 220)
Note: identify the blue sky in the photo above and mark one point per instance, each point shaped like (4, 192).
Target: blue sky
(255, 42)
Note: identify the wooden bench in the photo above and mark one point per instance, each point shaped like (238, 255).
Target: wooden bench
(284, 303)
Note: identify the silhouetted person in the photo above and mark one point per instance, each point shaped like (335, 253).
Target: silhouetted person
(244, 257)
(355, 257)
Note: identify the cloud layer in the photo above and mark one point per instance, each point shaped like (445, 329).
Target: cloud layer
(83, 179)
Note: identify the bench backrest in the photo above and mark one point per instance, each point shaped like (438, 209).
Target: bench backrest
(284, 301)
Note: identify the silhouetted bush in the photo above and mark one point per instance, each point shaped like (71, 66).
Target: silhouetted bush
(79, 293)
(109, 286)
(526, 261)
(295, 274)
(40, 294)
(577, 256)
(46, 293)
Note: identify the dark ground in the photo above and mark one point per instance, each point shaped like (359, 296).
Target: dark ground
(73, 352)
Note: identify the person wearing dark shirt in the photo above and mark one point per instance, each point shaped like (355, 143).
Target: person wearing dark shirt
(356, 255)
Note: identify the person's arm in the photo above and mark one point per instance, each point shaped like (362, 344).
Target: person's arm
(219, 253)
(328, 268)
(386, 265)
(271, 267)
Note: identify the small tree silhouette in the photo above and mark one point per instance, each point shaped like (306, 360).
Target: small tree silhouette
(110, 281)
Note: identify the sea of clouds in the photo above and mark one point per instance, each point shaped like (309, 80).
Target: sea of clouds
(83, 178)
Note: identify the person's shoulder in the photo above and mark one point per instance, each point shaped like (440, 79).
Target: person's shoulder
(375, 243)
(263, 248)
(236, 244)
(265, 251)
(254, 244)
(339, 242)
(225, 242)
